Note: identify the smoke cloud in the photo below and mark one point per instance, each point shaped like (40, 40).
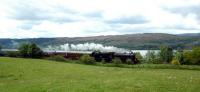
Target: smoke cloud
(84, 47)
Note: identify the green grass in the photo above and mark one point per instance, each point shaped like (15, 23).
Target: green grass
(35, 75)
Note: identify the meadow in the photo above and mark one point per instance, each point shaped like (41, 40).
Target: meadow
(37, 75)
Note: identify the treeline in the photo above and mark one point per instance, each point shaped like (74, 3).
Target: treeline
(166, 55)
(26, 50)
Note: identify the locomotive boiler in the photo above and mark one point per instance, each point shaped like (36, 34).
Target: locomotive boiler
(108, 56)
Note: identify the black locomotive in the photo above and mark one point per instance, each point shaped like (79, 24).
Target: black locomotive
(108, 56)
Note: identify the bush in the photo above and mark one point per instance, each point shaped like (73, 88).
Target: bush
(175, 62)
(139, 57)
(117, 61)
(192, 57)
(103, 61)
(57, 58)
(12, 54)
(129, 61)
(86, 59)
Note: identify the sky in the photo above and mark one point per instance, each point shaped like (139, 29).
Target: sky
(80, 18)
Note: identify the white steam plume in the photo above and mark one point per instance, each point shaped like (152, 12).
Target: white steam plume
(85, 47)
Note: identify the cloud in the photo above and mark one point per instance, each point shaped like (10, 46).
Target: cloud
(29, 11)
(27, 25)
(72, 18)
(186, 10)
(129, 20)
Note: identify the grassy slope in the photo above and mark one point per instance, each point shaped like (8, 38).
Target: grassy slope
(32, 75)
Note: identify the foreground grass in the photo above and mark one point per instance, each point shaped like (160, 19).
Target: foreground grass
(34, 75)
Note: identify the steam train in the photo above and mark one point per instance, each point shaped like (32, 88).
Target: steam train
(108, 56)
(98, 56)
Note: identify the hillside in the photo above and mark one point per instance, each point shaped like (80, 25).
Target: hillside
(35, 75)
(130, 41)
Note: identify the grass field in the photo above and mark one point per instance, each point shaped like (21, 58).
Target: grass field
(35, 75)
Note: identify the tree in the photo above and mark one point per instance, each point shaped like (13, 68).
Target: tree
(23, 49)
(139, 57)
(34, 51)
(196, 55)
(179, 56)
(192, 57)
(30, 50)
(152, 57)
(166, 54)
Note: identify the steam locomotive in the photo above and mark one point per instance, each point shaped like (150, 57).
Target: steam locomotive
(108, 56)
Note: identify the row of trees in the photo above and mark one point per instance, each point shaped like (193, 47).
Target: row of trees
(166, 55)
(26, 50)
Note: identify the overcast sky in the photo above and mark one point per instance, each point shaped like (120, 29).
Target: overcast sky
(75, 18)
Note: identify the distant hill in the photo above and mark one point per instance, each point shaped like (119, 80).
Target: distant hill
(129, 41)
(190, 34)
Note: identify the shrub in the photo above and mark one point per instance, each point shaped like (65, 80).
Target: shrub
(139, 57)
(175, 62)
(192, 57)
(129, 61)
(12, 54)
(117, 61)
(86, 59)
(57, 58)
(103, 61)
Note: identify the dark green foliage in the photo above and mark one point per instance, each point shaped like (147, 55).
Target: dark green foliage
(116, 61)
(34, 51)
(139, 57)
(179, 56)
(0, 47)
(196, 55)
(30, 50)
(23, 49)
(129, 61)
(87, 59)
(12, 54)
(57, 58)
(192, 57)
(166, 54)
(103, 61)
(1, 53)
